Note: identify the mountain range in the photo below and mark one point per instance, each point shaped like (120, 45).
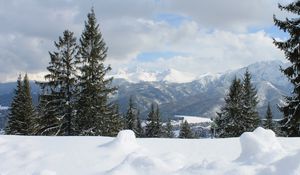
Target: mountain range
(180, 93)
(204, 95)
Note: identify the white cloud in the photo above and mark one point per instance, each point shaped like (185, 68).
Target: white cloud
(215, 37)
(214, 51)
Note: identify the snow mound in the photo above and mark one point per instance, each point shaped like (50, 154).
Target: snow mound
(126, 137)
(125, 142)
(260, 146)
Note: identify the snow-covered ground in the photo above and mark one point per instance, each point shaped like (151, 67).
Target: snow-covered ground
(194, 119)
(259, 152)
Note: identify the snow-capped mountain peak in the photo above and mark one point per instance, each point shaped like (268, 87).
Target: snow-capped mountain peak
(175, 76)
(139, 75)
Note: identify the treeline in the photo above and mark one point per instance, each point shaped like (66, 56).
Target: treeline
(153, 126)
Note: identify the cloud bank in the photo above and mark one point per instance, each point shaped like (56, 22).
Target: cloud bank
(198, 36)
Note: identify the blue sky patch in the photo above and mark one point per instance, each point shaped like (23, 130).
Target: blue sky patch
(272, 31)
(151, 56)
(172, 19)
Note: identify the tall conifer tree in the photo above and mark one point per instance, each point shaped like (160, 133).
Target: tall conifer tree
(56, 108)
(291, 48)
(94, 112)
(249, 100)
(229, 119)
(22, 113)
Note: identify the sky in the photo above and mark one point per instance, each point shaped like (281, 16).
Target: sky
(190, 36)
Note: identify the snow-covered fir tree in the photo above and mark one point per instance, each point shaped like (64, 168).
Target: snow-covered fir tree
(22, 112)
(168, 130)
(185, 131)
(239, 114)
(268, 123)
(229, 119)
(250, 116)
(291, 49)
(56, 108)
(153, 126)
(94, 112)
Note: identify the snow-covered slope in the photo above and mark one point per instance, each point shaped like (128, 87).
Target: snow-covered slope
(256, 153)
(204, 96)
(140, 75)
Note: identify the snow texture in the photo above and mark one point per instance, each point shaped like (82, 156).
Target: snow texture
(254, 153)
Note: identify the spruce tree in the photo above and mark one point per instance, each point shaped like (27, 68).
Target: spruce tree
(268, 124)
(169, 130)
(22, 113)
(131, 116)
(93, 110)
(250, 120)
(291, 48)
(29, 111)
(153, 126)
(56, 108)
(229, 120)
(185, 130)
(14, 124)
